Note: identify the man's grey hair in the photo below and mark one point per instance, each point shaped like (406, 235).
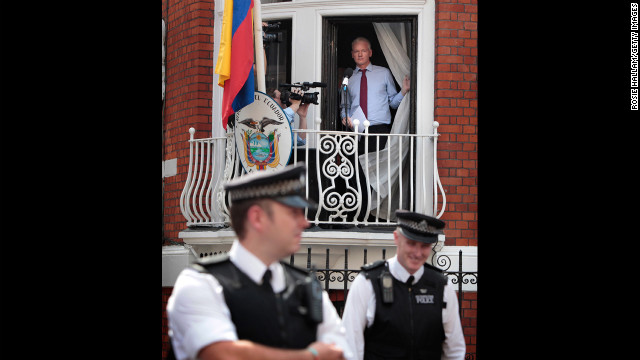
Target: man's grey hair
(360, 38)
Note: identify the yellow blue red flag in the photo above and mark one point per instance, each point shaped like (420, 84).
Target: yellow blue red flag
(235, 59)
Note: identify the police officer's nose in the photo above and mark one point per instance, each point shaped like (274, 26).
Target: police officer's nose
(305, 223)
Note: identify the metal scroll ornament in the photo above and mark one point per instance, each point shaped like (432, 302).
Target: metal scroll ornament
(333, 200)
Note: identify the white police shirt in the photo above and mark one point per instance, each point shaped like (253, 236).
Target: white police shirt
(198, 314)
(360, 311)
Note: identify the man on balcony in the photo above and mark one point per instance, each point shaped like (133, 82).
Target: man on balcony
(404, 308)
(247, 304)
(371, 90)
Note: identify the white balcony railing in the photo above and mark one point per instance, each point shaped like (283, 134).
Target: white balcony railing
(335, 178)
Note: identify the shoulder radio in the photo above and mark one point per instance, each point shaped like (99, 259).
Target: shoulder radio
(386, 284)
(314, 296)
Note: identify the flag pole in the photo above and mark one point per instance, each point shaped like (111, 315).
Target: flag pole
(259, 47)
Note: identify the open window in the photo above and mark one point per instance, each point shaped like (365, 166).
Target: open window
(338, 33)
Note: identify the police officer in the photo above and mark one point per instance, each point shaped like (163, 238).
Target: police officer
(404, 308)
(248, 304)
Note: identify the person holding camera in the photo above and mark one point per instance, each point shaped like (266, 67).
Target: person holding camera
(248, 304)
(296, 107)
(372, 89)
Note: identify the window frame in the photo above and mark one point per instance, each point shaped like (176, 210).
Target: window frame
(330, 32)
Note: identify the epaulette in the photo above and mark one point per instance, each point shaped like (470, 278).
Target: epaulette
(302, 271)
(429, 266)
(444, 278)
(201, 264)
(373, 265)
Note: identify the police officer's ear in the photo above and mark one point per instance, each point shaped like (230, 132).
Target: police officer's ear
(396, 237)
(257, 216)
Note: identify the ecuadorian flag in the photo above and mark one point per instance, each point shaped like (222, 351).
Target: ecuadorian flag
(235, 59)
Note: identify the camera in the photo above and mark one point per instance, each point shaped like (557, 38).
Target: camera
(271, 26)
(307, 97)
(268, 37)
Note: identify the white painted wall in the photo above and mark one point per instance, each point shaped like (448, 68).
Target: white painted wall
(174, 259)
(169, 167)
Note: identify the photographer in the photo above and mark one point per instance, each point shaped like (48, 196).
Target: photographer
(296, 107)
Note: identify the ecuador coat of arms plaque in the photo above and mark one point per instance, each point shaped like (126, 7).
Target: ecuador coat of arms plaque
(263, 135)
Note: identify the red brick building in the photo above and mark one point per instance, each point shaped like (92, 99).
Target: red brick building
(448, 28)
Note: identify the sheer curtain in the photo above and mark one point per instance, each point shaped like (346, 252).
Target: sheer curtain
(392, 38)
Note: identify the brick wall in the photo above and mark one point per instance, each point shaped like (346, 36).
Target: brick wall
(456, 94)
(468, 319)
(189, 73)
(166, 293)
(456, 104)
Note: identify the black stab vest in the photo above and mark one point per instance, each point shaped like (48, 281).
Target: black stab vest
(277, 320)
(411, 326)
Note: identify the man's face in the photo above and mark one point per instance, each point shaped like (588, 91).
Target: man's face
(411, 254)
(276, 97)
(285, 230)
(360, 52)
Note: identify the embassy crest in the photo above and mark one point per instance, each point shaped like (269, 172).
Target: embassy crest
(263, 135)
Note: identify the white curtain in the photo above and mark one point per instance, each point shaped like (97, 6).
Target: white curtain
(392, 38)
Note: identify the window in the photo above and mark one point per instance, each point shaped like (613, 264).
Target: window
(338, 33)
(277, 47)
